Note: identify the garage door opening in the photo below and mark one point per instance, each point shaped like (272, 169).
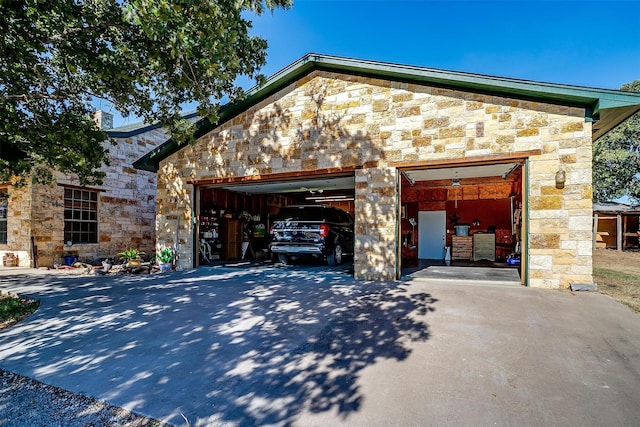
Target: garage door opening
(461, 216)
(234, 217)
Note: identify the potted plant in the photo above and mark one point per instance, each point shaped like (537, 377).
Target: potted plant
(131, 258)
(164, 258)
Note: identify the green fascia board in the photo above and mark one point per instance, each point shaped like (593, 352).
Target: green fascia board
(606, 107)
(138, 128)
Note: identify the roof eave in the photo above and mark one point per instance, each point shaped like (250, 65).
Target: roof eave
(609, 118)
(142, 128)
(606, 107)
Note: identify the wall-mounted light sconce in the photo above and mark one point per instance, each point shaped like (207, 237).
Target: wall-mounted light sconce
(561, 178)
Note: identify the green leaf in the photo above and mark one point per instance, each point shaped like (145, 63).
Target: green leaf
(616, 159)
(144, 57)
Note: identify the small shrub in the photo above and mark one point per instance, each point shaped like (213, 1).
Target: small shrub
(129, 254)
(13, 310)
(165, 256)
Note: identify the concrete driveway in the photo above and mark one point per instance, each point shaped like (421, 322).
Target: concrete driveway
(311, 346)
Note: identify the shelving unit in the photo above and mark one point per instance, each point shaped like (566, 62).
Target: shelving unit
(209, 237)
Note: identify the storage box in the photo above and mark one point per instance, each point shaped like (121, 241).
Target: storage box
(462, 230)
(10, 260)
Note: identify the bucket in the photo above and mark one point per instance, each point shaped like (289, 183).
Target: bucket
(462, 230)
(70, 259)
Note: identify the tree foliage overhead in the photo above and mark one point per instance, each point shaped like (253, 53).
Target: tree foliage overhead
(145, 57)
(616, 159)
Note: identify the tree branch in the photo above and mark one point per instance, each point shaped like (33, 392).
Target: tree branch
(103, 27)
(36, 96)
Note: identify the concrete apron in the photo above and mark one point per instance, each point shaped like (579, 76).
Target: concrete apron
(468, 275)
(296, 346)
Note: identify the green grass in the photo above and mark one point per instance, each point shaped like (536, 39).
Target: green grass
(13, 310)
(622, 286)
(618, 276)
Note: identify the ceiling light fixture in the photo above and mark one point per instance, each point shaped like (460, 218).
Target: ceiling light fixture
(337, 196)
(329, 198)
(456, 182)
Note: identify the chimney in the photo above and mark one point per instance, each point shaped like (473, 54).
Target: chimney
(103, 119)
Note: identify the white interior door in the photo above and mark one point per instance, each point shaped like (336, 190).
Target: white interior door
(431, 234)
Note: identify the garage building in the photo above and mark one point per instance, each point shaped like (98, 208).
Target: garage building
(432, 164)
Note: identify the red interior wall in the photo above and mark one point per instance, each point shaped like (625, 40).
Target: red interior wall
(489, 212)
(486, 200)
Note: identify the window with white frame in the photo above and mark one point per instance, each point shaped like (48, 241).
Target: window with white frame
(4, 205)
(80, 215)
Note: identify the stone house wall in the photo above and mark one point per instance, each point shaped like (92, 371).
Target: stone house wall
(126, 209)
(19, 224)
(330, 121)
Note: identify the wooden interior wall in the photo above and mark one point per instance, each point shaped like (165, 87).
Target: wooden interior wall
(347, 205)
(486, 200)
(235, 203)
(263, 204)
(632, 223)
(631, 227)
(607, 229)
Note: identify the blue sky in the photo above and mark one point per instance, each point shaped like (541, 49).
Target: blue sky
(586, 43)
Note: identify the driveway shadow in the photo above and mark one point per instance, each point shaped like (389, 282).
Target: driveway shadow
(248, 346)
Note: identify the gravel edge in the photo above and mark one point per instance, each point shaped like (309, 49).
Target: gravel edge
(26, 402)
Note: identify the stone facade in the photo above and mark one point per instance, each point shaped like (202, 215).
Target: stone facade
(330, 121)
(375, 219)
(126, 209)
(18, 222)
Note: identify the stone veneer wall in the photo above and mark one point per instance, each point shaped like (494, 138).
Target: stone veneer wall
(126, 209)
(376, 209)
(328, 120)
(19, 225)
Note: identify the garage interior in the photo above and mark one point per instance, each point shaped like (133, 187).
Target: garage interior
(461, 216)
(234, 218)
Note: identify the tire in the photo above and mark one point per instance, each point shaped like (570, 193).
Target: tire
(284, 259)
(335, 257)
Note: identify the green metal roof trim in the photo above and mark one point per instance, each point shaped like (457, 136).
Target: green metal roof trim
(138, 128)
(606, 107)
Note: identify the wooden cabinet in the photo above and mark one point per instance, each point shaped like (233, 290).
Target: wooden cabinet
(484, 246)
(461, 247)
(231, 238)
